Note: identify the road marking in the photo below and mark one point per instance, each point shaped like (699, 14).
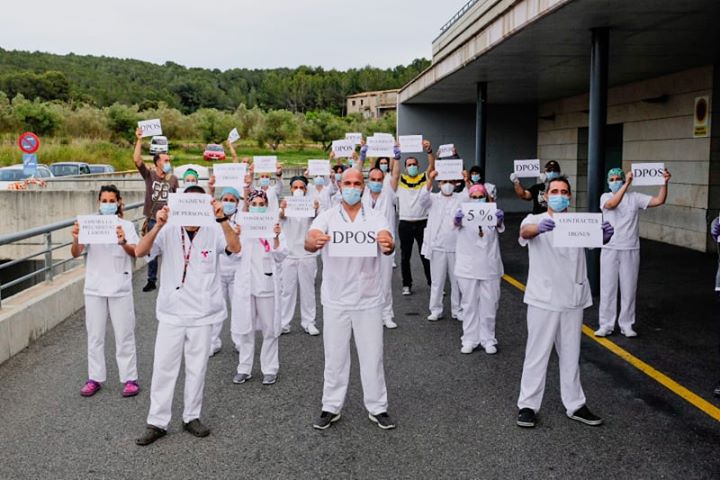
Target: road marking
(687, 395)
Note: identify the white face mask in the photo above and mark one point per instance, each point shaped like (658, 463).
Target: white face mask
(447, 188)
(298, 193)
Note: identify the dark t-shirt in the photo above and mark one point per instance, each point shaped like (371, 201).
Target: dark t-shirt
(536, 192)
(156, 189)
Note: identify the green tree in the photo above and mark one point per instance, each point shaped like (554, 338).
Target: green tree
(323, 127)
(277, 127)
(122, 121)
(36, 116)
(213, 125)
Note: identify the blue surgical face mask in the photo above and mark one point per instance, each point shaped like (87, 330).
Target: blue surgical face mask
(320, 181)
(384, 167)
(229, 208)
(338, 177)
(190, 182)
(475, 178)
(257, 209)
(108, 208)
(552, 175)
(558, 203)
(167, 167)
(351, 195)
(481, 200)
(412, 170)
(616, 185)
(264, 182)
(375, 187)
(447, 188)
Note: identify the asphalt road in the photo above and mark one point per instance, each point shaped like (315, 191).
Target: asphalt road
(455, 413)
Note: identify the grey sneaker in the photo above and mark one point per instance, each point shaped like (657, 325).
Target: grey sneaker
(325, 420)
(269, 379)
(241, 378)
(382, 420)
(526, 418)
(584, 415)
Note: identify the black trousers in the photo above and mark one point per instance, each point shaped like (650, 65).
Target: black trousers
(409, 232)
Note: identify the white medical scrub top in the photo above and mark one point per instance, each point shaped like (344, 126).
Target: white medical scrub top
(625, 219)
(108, 269)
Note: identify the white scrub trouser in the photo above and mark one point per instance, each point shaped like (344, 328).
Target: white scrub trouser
(172, 344)
(545, 329)
(298, 273)
(442, 266)
(480, 300)
(616, 266)
(386, 272)
(227, 283)
(262, 311)
(367, 327)
(122, 316)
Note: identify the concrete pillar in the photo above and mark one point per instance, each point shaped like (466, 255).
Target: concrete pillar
(596, 137)
(481, 125)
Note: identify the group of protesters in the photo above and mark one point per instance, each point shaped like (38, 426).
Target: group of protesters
(206, 272)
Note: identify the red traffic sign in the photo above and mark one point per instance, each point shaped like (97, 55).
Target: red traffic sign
(29, 142)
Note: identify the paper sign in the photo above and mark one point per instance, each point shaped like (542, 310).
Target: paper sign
(384, 135)
(380, 146)
(300, 207)
(97, 229)
(150, 128)
(354, 137)
(579, 230)
(445, 151)
(411, 143)
(265, 164)
(527, 168)
(343, 148)
(449, 169)
(230, 175)
(648, 174)
(352, 239)
(190, 210)
(479, 214)
(257, 225)
(233, 136)
(319, 168)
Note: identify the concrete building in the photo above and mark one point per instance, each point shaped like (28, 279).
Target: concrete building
(373, 104)
(590, 83)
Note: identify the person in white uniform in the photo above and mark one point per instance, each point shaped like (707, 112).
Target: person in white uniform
(190, 301)
(256, 299)
(557, 293)
(230, 198)
(478, 270)
(300, 267)
(438, 244)
(620, 258)
(379, 196)
(272, 191)
(108, 292)
(352, 302)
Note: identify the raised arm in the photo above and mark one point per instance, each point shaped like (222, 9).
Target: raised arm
(76, 249)
(519, 189)
(395, 172)
(231, 237)
(232, 151)
(620, 194)
(137, 153)
(431, 158)
(660, 198)
(146, 242)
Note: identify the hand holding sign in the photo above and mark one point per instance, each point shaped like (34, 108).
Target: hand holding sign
(233, 136)
(385, 241)
(445, 151)
(648, 173)
(150, 128)
(527, 168)
(578, 230)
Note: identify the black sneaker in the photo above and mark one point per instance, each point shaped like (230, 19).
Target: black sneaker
(716, 392)
(584, 415)
(149, 286)
(382, 420)
(325, 420)
(196, 428)
(151, 434)
(526, 418)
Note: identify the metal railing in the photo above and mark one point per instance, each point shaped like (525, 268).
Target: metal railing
(456, 17)
(49, 265)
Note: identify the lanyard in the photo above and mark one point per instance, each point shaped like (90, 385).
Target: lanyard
(186, 256)
(265, 244)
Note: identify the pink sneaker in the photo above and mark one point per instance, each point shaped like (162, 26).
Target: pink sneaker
(91, 388)
(131, 389)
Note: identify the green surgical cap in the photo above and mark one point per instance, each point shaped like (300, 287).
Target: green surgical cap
(616, 172)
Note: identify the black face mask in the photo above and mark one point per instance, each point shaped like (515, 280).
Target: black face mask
(459, 187)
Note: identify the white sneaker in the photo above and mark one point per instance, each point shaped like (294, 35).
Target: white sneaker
(394, 265)
(603, 332)
(490, 349)
(285, 330)
(406, 291)
(312, 330)
(458, 316)
(389, 323)
(629, 332)
(466, 349)
(434, 318)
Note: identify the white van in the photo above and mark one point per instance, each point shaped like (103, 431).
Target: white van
(158, 144)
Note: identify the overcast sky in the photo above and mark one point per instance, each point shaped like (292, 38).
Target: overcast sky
(231, 33)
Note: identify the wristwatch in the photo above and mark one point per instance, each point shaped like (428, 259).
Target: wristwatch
(222, 219)
(123, 243)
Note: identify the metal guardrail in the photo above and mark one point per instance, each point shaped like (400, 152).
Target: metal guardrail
(455, 18)
(49, 266)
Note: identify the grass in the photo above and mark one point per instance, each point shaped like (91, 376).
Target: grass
(101, 151)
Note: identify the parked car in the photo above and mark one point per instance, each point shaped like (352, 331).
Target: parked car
(65, 169)
(158, 144)
(100, 168)
(214, 152)
(15, 173)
